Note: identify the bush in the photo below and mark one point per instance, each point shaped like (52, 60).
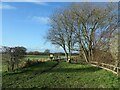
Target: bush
(103, 57)
(31, 62)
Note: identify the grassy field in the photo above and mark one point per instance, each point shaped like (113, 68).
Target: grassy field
(36, 57)
(31, 57)
(53, 74)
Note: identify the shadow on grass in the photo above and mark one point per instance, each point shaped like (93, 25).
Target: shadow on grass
(34, 69)
(26, 69)
(85, 69)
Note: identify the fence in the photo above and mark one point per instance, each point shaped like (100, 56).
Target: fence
(106, 66)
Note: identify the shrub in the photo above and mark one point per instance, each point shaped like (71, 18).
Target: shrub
(31, 62)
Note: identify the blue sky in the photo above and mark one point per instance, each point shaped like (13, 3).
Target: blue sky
(26, 24)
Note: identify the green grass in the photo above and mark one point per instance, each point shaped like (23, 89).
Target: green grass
(63, 75)
(36, 57)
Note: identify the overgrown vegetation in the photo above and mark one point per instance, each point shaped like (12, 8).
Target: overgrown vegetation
(11, 56)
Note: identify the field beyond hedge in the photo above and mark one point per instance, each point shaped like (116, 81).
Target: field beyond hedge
(53, 74)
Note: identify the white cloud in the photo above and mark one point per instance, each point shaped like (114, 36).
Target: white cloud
(30, 1)
(6, 6)
(42, 20)
(23, 1)
(40, 3)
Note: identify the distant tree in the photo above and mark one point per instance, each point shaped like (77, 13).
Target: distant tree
(47, 51)
(34, 53)
(37, 53)
(30, 53)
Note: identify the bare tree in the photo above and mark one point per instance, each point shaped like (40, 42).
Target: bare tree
(89, 25)
(94, 26)
(61, 32)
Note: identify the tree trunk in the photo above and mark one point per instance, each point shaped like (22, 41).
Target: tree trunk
(85, 56)
(116, 65)
(90, 55)
(69, 59)
(66, 54)
(12, 67)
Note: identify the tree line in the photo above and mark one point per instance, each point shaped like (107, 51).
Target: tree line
(48, 53)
